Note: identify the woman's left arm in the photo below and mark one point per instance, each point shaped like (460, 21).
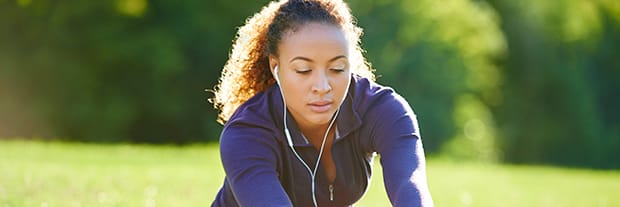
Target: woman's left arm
(396, 138)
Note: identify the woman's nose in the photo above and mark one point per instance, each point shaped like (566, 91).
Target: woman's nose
(321, 84)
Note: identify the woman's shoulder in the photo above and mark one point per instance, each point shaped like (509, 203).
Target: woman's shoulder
(370, 96)
(254, 115)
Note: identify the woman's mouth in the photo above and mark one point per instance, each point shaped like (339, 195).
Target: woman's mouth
(320, 106)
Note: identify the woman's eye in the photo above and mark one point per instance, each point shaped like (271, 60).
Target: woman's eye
(339, 70)
(303, 71)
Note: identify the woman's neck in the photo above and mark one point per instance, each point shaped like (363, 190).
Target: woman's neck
(315, 135)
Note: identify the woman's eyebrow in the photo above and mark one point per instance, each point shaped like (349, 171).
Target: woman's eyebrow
(301, 58)
(337, 57)
(310, 60)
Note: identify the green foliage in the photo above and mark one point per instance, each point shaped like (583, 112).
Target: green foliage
(495, 80)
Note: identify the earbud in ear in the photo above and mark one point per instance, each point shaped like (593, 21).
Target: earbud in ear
(275, 74)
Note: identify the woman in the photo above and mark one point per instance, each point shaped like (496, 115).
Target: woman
(304, 118)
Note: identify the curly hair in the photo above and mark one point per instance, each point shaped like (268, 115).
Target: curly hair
(247, 70)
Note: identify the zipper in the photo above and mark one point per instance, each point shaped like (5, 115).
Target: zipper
(331, 192)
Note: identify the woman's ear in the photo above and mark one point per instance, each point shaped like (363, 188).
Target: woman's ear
(273, 62)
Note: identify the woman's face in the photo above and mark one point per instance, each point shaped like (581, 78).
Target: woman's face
(313, 68)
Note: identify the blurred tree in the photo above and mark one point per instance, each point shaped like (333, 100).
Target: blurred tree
(440, 56)
(561, 82)
(114, 70)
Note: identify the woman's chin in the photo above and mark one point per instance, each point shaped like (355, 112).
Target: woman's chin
(320, 119)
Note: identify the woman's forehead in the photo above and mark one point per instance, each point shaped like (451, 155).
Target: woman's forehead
(314, 40)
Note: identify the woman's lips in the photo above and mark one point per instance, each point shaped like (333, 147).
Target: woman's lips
(320, 106)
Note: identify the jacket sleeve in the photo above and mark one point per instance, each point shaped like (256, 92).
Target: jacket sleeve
(397, 139)
(249, 156)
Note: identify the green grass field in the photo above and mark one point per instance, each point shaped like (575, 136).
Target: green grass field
(69, 174)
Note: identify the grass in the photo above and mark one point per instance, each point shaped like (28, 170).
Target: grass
(70, 174)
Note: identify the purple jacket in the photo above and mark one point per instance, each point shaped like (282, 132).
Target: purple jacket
(261, 169)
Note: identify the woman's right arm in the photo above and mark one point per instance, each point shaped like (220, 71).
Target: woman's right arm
(249, 156)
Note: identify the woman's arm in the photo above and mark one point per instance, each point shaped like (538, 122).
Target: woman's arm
(397, 139)
(249, 157)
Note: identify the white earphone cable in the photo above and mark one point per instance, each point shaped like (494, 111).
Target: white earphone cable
(290, 140)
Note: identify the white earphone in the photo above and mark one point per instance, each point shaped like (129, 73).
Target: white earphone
(286, 132)
(290, 140)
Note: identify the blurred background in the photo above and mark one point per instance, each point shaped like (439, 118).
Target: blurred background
(527, 81)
